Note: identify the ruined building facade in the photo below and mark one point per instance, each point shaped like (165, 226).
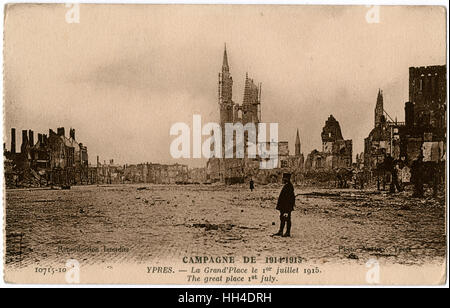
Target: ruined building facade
(291, 163)
(51, 159)
(238, 170)
(232, 170)
(427, 93)
(424, 129)
(336, 152)
(298, 145)
(230, 112)
(425, 114)
(384, 138)
(225, 94)
(379, 109)
(143, 173)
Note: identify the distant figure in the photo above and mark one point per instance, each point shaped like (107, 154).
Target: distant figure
(338, 180)
(388, 165)
(378, 182)
(252, 185)
(436, 176)
(355, 178)
(360, 179)
(285, 205)
(404, 172)
(417, 174)
(394, 181)
(343, 175)
(388, 162)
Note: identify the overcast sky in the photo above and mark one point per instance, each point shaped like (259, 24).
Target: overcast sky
(124, 74)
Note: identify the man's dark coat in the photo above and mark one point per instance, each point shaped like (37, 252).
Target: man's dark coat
(286, 201)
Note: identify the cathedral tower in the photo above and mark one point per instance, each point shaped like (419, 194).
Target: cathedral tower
(251, 103)
(379, 109)
(225, 92)
(298, 148)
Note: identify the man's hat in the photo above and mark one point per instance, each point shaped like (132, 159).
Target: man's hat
(286, 176)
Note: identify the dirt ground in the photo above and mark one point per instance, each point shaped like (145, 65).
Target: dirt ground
(145, 223)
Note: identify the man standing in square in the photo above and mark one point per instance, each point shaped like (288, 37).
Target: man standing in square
(285, 205)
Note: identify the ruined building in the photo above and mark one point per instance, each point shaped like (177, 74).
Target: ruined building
(427, 93)
(336, 152)
(230, 112)
(379, 109)
(291, 163)
(226, 94)
(384, 138)
(238, 170)
(143, 173)
(197, 175)
(52, 159)
(425, 114)
(298, 145)
(424, 129)
(232, 170)
(68, 158)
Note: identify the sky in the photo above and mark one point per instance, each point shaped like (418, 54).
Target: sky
(125, 74)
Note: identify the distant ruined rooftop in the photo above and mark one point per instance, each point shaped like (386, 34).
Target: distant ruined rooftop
(331, 132)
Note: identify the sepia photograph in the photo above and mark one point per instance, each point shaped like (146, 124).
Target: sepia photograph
(225, 144)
